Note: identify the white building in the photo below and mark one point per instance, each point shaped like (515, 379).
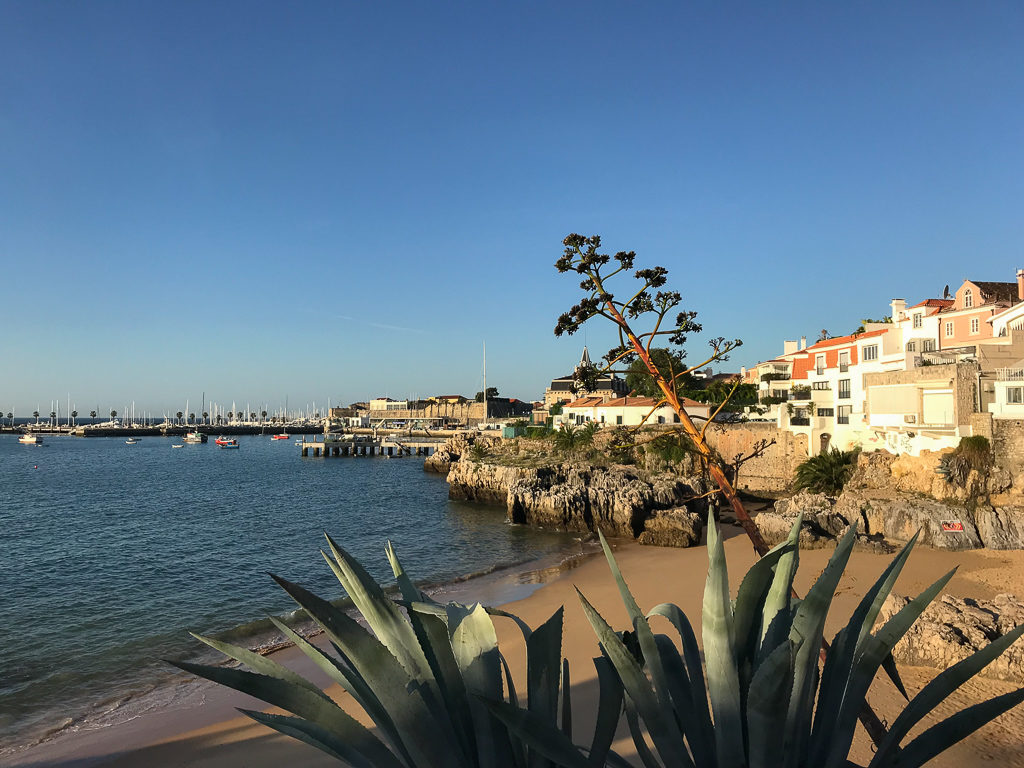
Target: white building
(628, 411)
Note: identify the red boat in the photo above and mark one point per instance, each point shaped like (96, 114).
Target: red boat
(223, 440)
(280, 437)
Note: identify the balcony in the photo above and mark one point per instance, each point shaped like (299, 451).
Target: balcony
(1009, 374)
(844, 367)
(842, 419)
(800, 421)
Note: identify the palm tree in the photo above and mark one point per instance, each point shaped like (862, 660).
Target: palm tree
(113, 414)
(263, 415)
(219, 418)
(230, 414)
(10, 417)
(178, 415)
(192, 418)
(206, 416)
(252, 416)
(36, 414)
(74, 415)
(53, 417)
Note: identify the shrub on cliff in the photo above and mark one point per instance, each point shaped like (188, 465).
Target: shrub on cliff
(827, 472)
(973, 452)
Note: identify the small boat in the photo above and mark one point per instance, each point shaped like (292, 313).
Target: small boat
(282, 436)
(299, 442)
(30, 440)
(132, 441)
(195, 437)
(227, 443)
(224, 440)
(178, 445)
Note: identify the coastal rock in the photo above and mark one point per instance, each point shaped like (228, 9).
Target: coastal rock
(821, 524)
(898, 516)
(580, 497)
(952, 628)
(454, 448)
(672, 528)
(1000, 527)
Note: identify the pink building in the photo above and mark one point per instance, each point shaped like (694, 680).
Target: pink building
(968, 320)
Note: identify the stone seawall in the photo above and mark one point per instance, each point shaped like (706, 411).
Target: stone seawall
(773, 471)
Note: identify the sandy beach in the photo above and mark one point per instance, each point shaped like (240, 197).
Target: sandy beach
(210, 733)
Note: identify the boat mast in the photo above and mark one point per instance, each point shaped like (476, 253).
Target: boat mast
(485, 382)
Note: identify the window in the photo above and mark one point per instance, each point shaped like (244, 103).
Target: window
(949, 328)
(911, 346)
(928, 345)
(968, 298)
(826, 412)
(1015, 395)
(820, 385)
(917, 319)
(975, 325)
(871, 353)
(844, 389)
(618, 419)
(819, 364)
(843, 415)
(844, 362)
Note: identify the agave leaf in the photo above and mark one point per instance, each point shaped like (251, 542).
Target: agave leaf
(437, 645)
(939, 688)
(720, 657)
(380, 684)
(645, 636)
(475, 645)
(410, 592)
(260, 664)
(767, 704)
(700, 733)
(643, 750)
(518, 748)
(940, 737)
(383, 616)
(750, 601)
(779, 595)
(875, 648)
(298, 700)
(889, 665)
(609, 707)
(523, 626)
(701, 741)
(662, 726)
(566, 701)
(539, 734)
(807, 629)
(839, 662)
(311, 734)
(543, 668)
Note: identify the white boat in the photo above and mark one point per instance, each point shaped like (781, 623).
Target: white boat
(30, 440)
(132, 440)
(178, 445)
(196, 437)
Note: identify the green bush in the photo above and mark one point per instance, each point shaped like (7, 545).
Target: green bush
(672, 448)
(827, 472)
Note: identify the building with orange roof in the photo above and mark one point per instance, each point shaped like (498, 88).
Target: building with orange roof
(628, 411)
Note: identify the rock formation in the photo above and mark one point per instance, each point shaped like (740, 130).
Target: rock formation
(951, 629)
(578, 496)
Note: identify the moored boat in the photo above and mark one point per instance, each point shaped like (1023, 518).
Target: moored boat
(30, 439)
(195, 437)
(224, 443)
(132, 440)
(224, 440)
(282, 436)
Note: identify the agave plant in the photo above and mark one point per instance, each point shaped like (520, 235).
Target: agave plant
(758, 699)
(425, 673)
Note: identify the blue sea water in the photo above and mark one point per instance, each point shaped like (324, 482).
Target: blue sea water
(111, 553)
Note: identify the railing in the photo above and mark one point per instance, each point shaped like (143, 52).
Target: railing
(1010, 374)
(800, 421)
(800, 394)
(842, 419)
(844, 367)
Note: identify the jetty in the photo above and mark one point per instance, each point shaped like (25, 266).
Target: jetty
(389, 446)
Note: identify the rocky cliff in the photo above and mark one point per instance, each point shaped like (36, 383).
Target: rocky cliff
(578, 496)
(892, 497)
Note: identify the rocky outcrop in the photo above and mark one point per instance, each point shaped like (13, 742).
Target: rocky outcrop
(580, 497)
(951, 629)
(672, 528)
(897, 516)
(821, 525)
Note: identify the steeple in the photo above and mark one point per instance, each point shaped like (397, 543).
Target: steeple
(585, 360)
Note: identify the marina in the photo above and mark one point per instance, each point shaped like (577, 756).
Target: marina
(391, 446)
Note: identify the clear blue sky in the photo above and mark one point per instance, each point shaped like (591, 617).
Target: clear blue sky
(341, 200)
